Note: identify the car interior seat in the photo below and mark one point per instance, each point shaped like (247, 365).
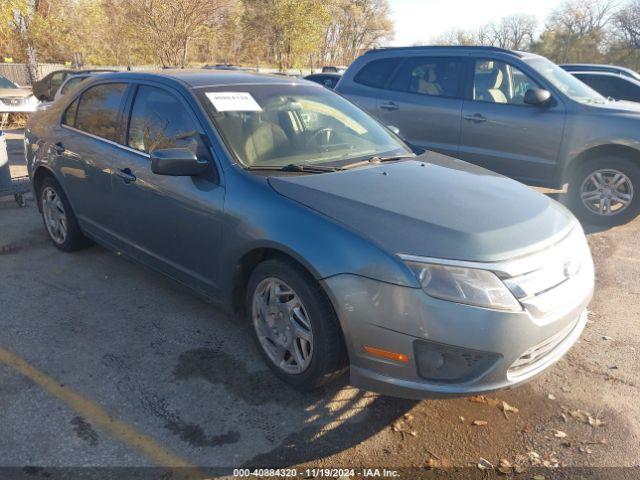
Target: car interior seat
(427, 83)
(265, 139)
(488, 87)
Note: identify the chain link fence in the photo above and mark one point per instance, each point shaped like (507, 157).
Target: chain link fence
(19, 74)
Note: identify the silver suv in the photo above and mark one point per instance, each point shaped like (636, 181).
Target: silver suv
(512, 112)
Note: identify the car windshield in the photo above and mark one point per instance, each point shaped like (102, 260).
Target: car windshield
(72, 82)
(5, 83)
(564, 81)
(277, 125)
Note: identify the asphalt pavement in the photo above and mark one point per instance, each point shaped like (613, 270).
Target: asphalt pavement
(106, 364)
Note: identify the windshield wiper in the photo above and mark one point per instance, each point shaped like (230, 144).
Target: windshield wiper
(377, 159)
(296, 167)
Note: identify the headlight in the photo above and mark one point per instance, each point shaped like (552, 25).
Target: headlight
(471, 286)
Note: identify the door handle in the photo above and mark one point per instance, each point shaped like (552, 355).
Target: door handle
(389, 106)
(476, 118)
(126, 175)
(59, 148)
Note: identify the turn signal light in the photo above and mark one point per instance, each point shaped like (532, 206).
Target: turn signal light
(378, 352)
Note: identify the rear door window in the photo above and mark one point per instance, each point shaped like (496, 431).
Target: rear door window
(377, 72)
(159, 120)
(435, 76)
(99, 110)
(69, 115)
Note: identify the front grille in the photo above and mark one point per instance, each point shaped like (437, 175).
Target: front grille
(554, 266)
(530, 359)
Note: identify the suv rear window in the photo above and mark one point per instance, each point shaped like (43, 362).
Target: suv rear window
(377, 72)
(435, 76)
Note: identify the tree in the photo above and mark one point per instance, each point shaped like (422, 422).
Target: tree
(288, 31)
(515, 32)
(627, 24)
(576, 31)
(170, 26)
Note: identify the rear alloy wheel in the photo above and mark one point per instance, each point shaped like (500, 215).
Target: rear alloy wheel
(294, 324)
(605, 191)
(54, 214)
(59, 219)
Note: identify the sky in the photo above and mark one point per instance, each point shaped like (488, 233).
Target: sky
(422, 20)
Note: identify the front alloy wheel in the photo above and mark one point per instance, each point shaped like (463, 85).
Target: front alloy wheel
(281, 324)
(294, 324)
(606, 192)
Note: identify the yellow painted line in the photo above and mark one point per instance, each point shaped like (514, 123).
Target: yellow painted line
(99, 416)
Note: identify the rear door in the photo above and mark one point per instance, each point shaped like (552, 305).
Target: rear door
(369, 82)
(172, 224)
(502, 133)
(424, 101)
(86, 145)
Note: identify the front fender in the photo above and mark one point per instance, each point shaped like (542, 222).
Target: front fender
(259, 218)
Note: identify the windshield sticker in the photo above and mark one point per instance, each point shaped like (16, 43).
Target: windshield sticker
(233, 102)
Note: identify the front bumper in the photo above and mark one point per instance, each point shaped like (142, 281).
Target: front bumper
(394, 318)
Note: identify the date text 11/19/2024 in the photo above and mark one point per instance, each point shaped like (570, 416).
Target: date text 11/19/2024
(316, 472)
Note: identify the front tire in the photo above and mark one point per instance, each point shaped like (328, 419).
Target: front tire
(605, 191)
(59, 220)
(294, 325)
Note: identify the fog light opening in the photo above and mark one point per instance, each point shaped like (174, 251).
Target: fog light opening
(448, 364)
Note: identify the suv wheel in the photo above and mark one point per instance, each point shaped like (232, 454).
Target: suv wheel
(294, 325)
(59, 220)
(606, 191)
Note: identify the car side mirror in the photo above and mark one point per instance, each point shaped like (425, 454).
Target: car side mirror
(538, 97)
(394, 129)
(177, 162)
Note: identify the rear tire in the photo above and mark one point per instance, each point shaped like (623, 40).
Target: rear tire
(320, 348)
(605, 191)
(60, 222)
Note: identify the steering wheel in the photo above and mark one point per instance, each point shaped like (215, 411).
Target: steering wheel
(322, 137)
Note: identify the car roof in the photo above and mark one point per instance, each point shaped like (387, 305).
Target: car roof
(324, 74)
(597, 66)
(456, 48)
(600, 73)
(197, 78)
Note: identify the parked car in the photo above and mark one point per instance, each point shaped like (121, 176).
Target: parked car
(46, 88)
(333, 69)
(284, 201)
(329, 80)
(227, 66)
(15, 99)
(515, 113)
(67, 85)
(593, 67)
(611, 85)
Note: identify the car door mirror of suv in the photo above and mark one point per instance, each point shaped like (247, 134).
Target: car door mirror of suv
(178, 162)
(537, 96)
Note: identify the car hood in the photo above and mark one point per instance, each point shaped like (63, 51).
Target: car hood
(434, 206)
(15, 92)
(620, 106)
